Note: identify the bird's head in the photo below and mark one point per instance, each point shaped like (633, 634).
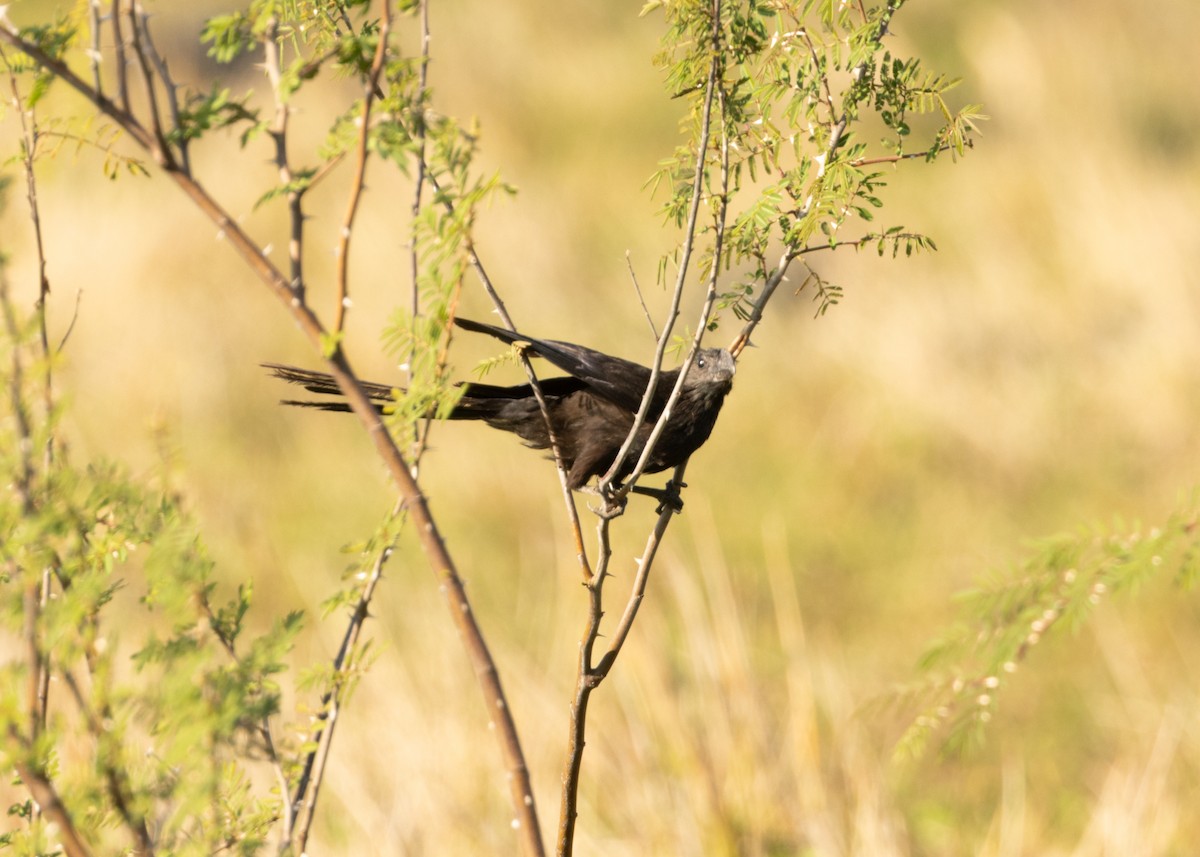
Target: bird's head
(712, 366)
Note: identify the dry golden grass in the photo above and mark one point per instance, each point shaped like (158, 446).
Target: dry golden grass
(1037, 373)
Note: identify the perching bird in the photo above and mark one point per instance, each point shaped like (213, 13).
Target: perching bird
(592, 408)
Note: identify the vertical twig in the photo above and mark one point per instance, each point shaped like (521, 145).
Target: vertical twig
(278, 132)
(607, 480)
(302, 807)
(37, 590)
(421, 426)
(590, 676)
(30, 138)
(641, 300)
(357, 183)
(419, 133)
(555, 448)
(161, 150)
(638, 590)
(23, 486)
(93, 53)
(141, 23)
(116, 780)
(119, 51)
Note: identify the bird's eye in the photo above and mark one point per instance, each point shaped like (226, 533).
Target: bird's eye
(700, 362)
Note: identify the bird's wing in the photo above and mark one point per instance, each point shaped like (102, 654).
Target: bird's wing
(622, 382)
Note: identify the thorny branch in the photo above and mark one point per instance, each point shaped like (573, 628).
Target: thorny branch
(432, 543)
(591, 674)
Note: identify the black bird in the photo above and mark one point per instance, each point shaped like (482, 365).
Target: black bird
(592, 408)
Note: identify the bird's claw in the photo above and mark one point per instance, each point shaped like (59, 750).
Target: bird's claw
(668, 496)
(611, 506)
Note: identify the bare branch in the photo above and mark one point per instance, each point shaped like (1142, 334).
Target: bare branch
(141, 21)
(357, 183)
(94, 51)
(164, 153)
(119, 49)
(637, 288)
(278, 132)
(588, 676)
(638, 591)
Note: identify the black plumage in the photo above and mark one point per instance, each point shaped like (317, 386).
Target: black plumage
(592, 408)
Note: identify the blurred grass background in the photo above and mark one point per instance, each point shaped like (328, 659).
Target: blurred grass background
(1037, 373)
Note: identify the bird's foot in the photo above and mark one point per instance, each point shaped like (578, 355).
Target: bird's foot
(668, 496)
(612, 505)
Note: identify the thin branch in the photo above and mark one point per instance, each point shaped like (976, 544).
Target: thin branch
(62, 342)
(908, 156)
(93, 53)
(278, 132)
(421, 427)
(119, 49)
(105, 105)
(300, 806)
(856, 243)
(588, 676)
(146, 46)
(265, 731)
(555, 448)
(607, 480)
(139, 53)
(357, 183)
(43, 688)
(35, 700)
(637, 288)
(419, 134)
(816, 59)
(23, 485)
(756, 311)
(30, 137)
(638, 591)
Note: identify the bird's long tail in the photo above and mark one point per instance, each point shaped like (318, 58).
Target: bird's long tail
(479, 402)
(323, 384)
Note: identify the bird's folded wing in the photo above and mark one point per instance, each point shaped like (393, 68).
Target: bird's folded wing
(622, 382)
